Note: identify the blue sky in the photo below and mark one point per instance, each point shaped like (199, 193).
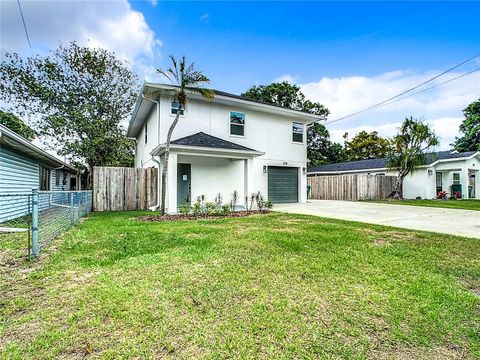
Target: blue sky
(242, 43)
(346, 55)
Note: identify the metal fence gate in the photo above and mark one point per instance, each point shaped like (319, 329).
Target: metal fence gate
(29, 221)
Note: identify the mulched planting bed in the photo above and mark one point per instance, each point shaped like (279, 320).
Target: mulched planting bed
(181, 217)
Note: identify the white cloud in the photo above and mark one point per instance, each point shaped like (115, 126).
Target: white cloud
(205, 17)
(113, 25)
(441, 107)
(288, 78)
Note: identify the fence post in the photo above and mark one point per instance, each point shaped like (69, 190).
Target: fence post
(72, 214)
(35, 222)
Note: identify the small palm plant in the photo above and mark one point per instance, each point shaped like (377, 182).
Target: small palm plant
(187, 81)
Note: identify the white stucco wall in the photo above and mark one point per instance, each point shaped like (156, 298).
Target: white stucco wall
(265, 132)
(211, 176)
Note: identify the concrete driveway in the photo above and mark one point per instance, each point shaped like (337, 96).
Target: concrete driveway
(448, 221)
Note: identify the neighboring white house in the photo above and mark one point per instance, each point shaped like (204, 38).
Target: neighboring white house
(220, 146)
(443, 171)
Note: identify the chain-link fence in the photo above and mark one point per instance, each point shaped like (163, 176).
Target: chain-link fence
(28, 222)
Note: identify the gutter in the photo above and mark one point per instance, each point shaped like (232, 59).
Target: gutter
(6, 132)
(153, 157)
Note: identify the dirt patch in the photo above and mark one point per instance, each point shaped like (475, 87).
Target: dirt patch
(437, 353)
(189, 217)
(381, 241)
(384, 237)
(295, 221)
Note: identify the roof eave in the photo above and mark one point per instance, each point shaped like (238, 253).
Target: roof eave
(245, 101)
(160, 150)
(6, 132)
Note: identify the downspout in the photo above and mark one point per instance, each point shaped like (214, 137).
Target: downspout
(159, 177)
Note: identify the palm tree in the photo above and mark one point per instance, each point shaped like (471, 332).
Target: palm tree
(187, 80)
(408, 150)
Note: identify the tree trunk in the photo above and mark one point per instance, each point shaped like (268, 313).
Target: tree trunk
(165, 162)
(397, 193)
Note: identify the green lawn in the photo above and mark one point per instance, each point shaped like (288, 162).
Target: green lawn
(452, 204)
(274, 286)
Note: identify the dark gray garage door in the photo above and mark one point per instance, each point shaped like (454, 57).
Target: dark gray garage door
(282, 184)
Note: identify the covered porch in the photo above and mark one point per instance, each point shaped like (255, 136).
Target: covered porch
(202, 164)
(458, 181)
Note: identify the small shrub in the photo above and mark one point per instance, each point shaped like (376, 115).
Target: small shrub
(196, 209)
(264, 205)
(442, 195)
(184, 209)
(226, 209)
(210, 208)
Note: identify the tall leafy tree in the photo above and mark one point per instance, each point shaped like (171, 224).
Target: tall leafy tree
(410, 145)
(15, 124)
(321, 150)
(286, 95)
(77, 98)
(188, 80)
(469, 129)
(366, 145)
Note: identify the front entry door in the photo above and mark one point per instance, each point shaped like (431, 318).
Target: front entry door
(184, 183)
(439, 182)
(471, 185)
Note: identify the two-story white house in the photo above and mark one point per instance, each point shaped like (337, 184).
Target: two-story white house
(222, 145)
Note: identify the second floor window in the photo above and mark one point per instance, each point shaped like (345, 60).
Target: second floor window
(175, 108)
(146, 133)
(297, 132)
(237, 123)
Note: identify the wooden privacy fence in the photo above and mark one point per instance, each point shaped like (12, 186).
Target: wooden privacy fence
(123, 188)
(352, 187)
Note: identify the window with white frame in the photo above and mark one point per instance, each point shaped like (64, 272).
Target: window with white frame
(175, 108)
(237, 123)
(297, 132)
(456, 178)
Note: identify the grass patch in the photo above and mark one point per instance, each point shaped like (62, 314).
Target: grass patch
(468, 204)
(268, 286)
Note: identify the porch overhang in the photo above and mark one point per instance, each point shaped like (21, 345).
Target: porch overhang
(207, 151)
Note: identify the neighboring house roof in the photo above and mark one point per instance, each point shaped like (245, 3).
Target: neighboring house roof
(204, 140)
(381, 164)
(23, 146)
(144, 105)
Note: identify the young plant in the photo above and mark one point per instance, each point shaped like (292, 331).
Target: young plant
(210, 208)
(218, 200)
(226, 209)
(234, 201)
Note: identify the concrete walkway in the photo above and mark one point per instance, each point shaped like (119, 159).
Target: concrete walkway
(448, 221)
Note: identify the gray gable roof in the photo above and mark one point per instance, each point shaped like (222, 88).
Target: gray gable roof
(376, 164)
(204, 140)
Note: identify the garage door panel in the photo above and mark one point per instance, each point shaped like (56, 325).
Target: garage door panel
(282, 184)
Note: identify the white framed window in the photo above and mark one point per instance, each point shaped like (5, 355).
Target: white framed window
(237, 123)
(175, 107)
(456, 178)
(297, 132)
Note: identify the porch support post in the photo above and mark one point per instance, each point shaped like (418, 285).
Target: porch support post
(247, 177)
(171, 198)
(464, 181)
